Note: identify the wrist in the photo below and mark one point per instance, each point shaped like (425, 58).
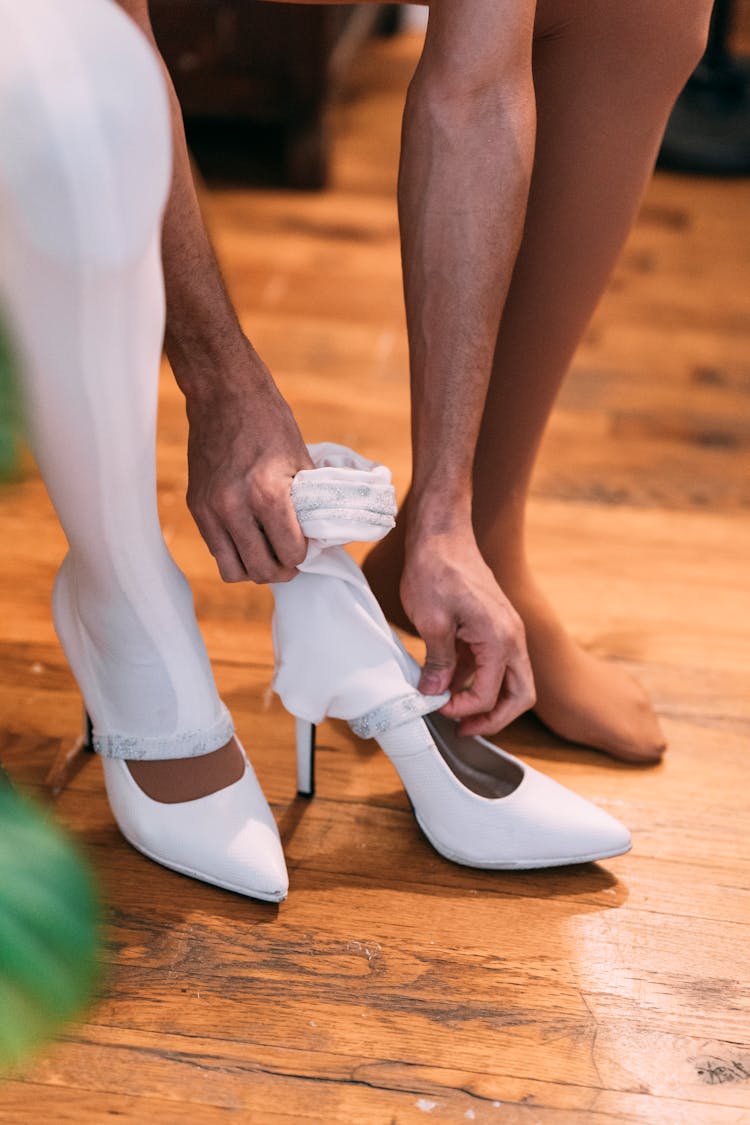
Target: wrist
(204, 369)
(439, 513)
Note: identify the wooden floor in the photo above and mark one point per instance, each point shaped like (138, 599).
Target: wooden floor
(393, 986)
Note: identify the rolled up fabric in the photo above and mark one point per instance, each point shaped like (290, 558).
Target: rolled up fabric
(335, 652)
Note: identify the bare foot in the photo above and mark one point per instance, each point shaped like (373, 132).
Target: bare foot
(186, 779)
(580, 697)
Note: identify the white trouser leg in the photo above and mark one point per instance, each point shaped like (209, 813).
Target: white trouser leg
(85, 166)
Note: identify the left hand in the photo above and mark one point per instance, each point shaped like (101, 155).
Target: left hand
(476, 645)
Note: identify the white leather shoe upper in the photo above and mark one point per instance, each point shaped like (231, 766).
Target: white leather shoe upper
(337, 656)
(228, 838)
(480, 806)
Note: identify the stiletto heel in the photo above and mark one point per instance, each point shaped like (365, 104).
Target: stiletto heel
(305, 732)
(87, 737)
(71, 759)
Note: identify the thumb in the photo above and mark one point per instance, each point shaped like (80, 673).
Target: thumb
(439, 665)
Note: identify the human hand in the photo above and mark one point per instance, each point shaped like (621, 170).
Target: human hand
(244, 449)
(476, 646)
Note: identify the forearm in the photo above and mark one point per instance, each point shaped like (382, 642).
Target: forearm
(206, 346)
(463, 186)
(205, 343)
(244, 446)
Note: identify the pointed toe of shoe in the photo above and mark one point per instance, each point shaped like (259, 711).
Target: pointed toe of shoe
(228, 838)
(608, 836)
(252, 862)
(565, 828)
(535, 823)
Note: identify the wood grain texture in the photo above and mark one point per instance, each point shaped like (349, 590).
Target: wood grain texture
(393, 986)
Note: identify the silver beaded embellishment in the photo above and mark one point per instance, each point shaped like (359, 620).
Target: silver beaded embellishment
(184, 744)
(346, 501)
(396, 712)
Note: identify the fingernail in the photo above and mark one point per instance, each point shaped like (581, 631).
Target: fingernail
(429, 684)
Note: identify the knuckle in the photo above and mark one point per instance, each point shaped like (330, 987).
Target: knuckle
(261, 490)
(229, 570)
(298, 554)
(432, 626)
(225, 503)
(254, 570)
(290, 555)
(258, 566)
(284, 575)
(512, 714)
(262, 576)
(254, 573)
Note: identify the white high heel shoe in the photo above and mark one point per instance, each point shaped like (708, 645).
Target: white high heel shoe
(336, 656)
(481, 807)
(228, 838)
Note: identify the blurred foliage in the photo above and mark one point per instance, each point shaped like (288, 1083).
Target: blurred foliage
(49, 927)
(49, 903)
(10, 413)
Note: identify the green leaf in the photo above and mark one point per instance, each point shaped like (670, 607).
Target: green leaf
(49, 927)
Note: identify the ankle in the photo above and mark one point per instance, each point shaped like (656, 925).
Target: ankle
(175, 780)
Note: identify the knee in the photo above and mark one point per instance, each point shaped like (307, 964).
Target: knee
(85, 145)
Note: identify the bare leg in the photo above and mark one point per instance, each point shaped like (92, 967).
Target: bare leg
(606, 76)
(84, 172)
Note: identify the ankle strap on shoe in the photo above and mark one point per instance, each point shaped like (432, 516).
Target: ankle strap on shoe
(386, 716)
(183, 744)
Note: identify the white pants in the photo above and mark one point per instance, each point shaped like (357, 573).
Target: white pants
(84, 174)
(85, 164)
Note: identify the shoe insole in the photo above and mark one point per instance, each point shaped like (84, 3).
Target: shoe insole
(483, 770)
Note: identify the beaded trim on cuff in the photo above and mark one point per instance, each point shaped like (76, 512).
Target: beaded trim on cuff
(345, 500)
(184, 744)
(396, 712)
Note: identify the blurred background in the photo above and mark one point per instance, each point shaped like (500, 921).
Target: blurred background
(256, 82)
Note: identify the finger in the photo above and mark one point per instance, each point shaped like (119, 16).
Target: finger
(254, 550)
(464, 670)
(516, 696)
(284, 534)
(440, 662)
(222, 548)
(482, 693)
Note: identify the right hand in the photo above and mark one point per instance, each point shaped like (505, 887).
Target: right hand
(244, 450)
